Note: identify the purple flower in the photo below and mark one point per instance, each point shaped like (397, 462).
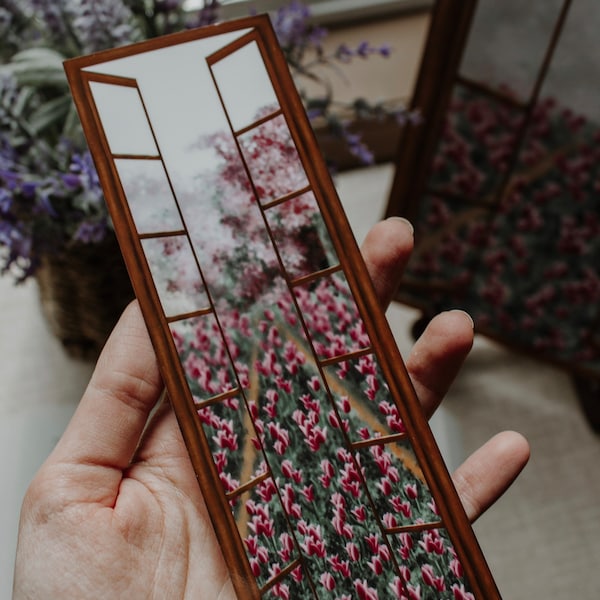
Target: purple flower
(102, 24)
(44, 205)
(317, 35)
(358, 148)
(364, 49)
(343, 53)
(52, 15)
(290, 24)
(28, 189)
(82, 167)
(90, 232)
(208, 14)
(385, 50)
(5, 201)
(71, 180)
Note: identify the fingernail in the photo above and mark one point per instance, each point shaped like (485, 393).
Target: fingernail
(405, 221)
(464, 312)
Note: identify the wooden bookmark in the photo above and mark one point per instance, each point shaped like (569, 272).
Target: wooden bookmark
(317, 465)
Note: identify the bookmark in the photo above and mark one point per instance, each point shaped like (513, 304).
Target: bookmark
(317, 465)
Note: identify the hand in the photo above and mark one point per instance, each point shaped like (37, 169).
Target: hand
(116, 511)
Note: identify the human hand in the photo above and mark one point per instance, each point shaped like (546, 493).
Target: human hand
(116, 510)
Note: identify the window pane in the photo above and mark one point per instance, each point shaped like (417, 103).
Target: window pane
(175, 275)
(431, 565)
(233, 442)
(507, 43)
(273, 160)
(397, 485)
(149, 195)
(245, 86)
(202, 353)
(363, 399)
(301, 236)
(124, 119)
(332, 317)
(263, 527)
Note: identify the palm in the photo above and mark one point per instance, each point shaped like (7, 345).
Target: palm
(181, 553)
(142, 533)
(114, 513)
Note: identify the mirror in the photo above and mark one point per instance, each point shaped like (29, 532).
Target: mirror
(175, 274)
(272, 160)
(245, 70)
(509, 66)
(505, 200)
(123, 119)
(231, 242)
(148, 192)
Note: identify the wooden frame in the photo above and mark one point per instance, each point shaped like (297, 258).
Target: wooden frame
(340, 273)
(446, 38)
(445, 81)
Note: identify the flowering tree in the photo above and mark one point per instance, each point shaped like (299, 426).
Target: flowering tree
(245, 270)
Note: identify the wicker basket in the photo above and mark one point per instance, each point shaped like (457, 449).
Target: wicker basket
(83, 291)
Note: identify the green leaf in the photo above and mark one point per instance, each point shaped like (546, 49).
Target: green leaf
(50, 113)
(321, 103)
(72, 127)
(24, 97)
(37, 67)
(40, 55)
(43, 78)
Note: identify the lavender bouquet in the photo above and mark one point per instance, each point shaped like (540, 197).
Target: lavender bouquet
(50, 197)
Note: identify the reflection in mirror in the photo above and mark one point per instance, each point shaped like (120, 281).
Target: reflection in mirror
(245, 70)
(397, 484)
(507, 44)
(431, 564)
(332, 318)
(149, 195)
(320, 484)
(233, 442)
(273, 160)
(475, 151)
(124, 119)
(363, 398)
(573, 73)
(295, 585)
(279, 368)
(263, 527)
(175, 273)
(204, 358)
(301, 236)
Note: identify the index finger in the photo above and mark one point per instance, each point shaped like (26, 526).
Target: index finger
(386, 250)
(126, 384)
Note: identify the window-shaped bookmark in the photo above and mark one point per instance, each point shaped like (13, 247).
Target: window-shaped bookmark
(319, 470)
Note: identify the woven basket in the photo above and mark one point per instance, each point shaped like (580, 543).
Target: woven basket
(83, 291)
